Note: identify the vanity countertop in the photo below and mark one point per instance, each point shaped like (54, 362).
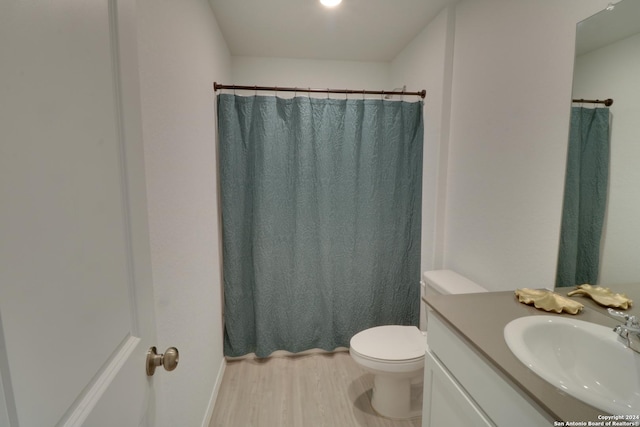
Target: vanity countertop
(481, 318)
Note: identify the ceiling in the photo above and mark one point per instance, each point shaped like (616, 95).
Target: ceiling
(357, 30)
(608, 26)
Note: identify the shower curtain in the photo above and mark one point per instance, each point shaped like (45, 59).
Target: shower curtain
(585, 197)
(321, 213)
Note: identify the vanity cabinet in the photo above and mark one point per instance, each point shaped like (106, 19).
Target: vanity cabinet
(462, 388)
(445, 401)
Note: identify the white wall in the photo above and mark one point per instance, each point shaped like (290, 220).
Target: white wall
(512, 76)
(612, 72)
(181, 53)
(287, 72)
(426, 63)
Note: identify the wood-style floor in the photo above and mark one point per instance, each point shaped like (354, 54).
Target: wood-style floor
(317, 390)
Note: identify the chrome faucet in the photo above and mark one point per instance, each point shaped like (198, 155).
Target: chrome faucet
(630, 331)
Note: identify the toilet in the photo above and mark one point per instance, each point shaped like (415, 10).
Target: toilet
(394, 354)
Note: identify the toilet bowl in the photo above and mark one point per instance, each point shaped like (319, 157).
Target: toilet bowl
(395, 354)
(394, 364)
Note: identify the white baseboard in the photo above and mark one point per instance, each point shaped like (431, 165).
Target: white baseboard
(214, 394)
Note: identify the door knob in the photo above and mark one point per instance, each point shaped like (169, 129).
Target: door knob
(169, 360)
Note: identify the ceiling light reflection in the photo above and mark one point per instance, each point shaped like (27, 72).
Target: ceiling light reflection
(330, 3)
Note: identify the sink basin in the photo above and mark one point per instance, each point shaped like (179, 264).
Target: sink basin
(587, 361)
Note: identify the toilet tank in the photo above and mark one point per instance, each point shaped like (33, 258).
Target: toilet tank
(444, 282)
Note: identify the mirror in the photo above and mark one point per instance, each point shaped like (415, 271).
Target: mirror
(607, 65)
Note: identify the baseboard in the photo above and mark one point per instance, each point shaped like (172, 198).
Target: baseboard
(214, 394)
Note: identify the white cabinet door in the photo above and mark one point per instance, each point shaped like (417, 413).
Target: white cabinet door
(445, 402)
(75, 283)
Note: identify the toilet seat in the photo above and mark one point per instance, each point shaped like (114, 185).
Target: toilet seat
(390, 344)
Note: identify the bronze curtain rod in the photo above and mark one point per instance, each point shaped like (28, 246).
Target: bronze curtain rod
(607, 102)
(217, 86)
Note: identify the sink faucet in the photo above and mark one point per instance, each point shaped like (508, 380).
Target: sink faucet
(629, 331)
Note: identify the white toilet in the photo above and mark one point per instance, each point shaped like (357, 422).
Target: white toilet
(395, 354)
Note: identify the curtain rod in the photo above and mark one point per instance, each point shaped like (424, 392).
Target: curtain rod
(217, 86)
(607, 102)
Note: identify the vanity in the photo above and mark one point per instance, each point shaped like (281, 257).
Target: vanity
(473, 379)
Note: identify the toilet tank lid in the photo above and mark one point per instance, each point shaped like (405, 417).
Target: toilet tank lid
(449, 282)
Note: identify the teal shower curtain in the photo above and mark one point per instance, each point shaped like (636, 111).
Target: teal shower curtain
(585, 197)
(321, 213)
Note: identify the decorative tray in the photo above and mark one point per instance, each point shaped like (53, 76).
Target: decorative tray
(603, 296)
(547, 300)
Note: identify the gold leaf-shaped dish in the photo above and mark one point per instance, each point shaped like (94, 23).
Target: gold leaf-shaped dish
(546, 300)
(603, 296)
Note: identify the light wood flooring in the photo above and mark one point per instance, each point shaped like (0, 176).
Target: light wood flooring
(316, 390)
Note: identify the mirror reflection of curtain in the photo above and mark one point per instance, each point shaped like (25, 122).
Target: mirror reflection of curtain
(321, 213)
(585, 197)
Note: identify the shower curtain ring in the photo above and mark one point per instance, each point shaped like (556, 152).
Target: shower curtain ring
(327, 93)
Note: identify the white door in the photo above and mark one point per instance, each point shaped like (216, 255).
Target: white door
(76, 304)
